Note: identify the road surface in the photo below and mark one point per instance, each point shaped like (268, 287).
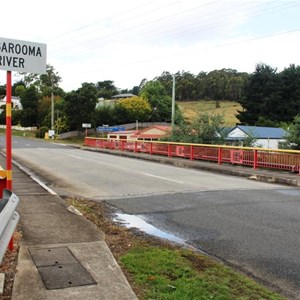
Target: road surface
(252, 225)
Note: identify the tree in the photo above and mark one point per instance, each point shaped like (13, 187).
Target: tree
(29, 99)
(44, 82)
(262, 96)
(293, 136)
(105, 114)
(132, 109)
(161, 103)
(2, 90)
(106, 89)
(79, 106)
(206, 129)
(289, 106)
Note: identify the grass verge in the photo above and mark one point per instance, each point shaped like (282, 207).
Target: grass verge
(157, 269)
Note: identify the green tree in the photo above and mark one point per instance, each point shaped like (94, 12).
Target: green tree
(235, 87)
(262, 96)
(206, 129)
(44, 83)
(105, 115)
(2, 90)
(29, 99)
(106, 89)
(293, 136)
(161, 103)
(79, 106)
(289, 106)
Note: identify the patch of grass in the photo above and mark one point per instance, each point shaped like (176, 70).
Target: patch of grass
(21, 133)
(157, 269)
(229, 109)
(182, 274)
(72, 140)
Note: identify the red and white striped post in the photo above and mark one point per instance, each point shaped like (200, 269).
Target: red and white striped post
(9, 143)
(8, 133)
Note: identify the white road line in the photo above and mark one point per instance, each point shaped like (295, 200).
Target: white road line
(75, 156)
(163, 178)
(44, 186)
(26, 171)
(27, 145)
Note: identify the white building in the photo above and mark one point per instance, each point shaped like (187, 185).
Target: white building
(265, 137)
(15, 101)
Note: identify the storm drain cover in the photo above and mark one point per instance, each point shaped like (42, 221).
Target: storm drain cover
(59, 268)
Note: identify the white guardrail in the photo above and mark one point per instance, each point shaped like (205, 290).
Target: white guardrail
(8, 219)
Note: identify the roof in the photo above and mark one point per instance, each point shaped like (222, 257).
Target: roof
(147, 134)
(261, 132)
(127, 95)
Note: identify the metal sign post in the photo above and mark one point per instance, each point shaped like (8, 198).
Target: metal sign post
(20, 56)
(8, 133)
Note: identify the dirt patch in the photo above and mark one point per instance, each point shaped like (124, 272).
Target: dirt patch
(9, 266)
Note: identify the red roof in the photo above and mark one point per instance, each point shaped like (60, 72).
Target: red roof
(144, 135)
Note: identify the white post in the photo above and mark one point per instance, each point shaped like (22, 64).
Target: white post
(173, 103)
(52, 106)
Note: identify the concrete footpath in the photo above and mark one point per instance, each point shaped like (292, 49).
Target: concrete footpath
(62, 255)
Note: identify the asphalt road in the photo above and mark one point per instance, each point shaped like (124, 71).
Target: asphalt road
(251, 225)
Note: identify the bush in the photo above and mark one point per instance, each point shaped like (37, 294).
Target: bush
(40, 133)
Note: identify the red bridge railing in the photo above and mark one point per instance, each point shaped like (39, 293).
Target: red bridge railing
(288, 160)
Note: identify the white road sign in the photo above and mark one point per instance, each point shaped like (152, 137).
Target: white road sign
(22, 56)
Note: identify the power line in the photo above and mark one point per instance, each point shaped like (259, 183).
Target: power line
(203, 28)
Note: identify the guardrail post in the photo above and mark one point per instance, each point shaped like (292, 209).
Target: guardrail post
(219, 155)
(255, 159)
(135, 147)
(151, 148)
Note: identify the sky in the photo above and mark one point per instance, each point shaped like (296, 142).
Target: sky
(127, 41)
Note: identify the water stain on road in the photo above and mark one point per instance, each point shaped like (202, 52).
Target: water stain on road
(132, 221)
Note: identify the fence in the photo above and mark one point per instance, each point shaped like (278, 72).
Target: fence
(8, 219)
(288, 160)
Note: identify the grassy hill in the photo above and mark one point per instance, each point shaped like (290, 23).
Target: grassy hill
(228, 109)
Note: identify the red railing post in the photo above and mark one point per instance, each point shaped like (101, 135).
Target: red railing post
(192, 152)
(135, 146)
(122, 145)
(219, 155)
(255, 159)
(151, 147)
(169, 150)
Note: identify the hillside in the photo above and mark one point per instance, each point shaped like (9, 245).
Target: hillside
(228, 109)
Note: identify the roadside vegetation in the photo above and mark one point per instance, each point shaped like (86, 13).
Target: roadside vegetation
(264, 98)
(157, 269)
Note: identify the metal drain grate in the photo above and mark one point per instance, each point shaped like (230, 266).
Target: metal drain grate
(59, 268)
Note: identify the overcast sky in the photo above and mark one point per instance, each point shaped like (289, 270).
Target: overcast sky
(127, 41)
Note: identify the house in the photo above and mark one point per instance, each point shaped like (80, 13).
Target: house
(122, 96)
(265, 137)
(120, 135)
(16, 102)
(152, 133)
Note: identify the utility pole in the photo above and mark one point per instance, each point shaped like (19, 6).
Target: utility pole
(173, 103)
(52, 104)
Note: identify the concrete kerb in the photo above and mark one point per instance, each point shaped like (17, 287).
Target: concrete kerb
(269, 176)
